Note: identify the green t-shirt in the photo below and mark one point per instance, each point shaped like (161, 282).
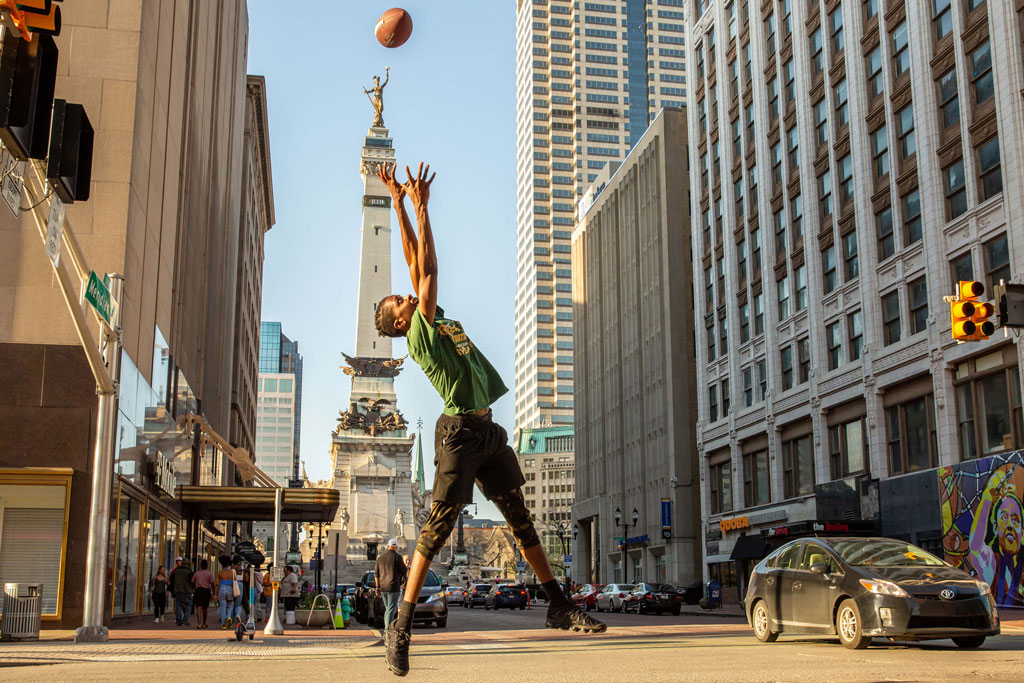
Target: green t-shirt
(465, 379)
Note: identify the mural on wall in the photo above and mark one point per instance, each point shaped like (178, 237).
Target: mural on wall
(982, 517)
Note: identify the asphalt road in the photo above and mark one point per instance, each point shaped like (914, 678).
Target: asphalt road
(483, 645)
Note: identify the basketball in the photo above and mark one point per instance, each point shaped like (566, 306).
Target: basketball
(394, 27)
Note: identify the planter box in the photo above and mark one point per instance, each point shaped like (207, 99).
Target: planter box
(319, 618)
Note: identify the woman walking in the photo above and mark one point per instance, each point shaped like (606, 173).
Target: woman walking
(202, 583)
(226, 591)
(158, 591)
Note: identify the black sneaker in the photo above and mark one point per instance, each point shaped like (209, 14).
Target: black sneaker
(568, 617)
(396, 650)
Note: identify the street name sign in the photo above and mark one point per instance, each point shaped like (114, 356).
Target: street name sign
(98, 294)
(55, 230)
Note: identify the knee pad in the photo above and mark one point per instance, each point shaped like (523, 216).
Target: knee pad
(438, 528)
(512, 506)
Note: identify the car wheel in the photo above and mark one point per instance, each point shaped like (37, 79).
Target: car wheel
(849, 626)
(762, 630)
(441, 623)
(622, 607)
(586, 607)
(969, 642)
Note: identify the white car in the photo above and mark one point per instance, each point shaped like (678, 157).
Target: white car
(456, 595)
(610, 599)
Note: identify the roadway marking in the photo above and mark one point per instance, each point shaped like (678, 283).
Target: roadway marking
(484, 646)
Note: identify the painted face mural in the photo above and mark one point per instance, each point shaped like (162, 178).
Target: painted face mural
(983, 520)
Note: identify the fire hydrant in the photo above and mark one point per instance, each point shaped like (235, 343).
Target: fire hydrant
(346, 609)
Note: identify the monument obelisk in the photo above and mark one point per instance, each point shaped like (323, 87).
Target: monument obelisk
(371, 448)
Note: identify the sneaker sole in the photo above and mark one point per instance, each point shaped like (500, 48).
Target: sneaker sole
(579, 629)
(397, 672)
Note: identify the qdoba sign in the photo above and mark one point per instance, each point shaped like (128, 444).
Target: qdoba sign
(734, 524)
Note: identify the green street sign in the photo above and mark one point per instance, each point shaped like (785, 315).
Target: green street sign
(97, 294)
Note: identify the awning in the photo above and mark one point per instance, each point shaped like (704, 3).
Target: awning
(750, 547)
(256, 504)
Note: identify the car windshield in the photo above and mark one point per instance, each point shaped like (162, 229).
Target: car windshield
(626, 587)
(432, 579)
(884, 553)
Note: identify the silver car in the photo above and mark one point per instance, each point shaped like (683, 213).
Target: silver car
(613, 596)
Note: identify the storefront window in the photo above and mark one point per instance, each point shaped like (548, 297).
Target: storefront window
(638, 573)
(660, 569)
(126, 579)
(151, 559)
(32, 529)
(170, 544)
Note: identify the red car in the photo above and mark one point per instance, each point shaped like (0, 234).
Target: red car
(586, 597)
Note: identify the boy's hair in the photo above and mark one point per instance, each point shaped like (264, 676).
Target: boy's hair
(384, 319)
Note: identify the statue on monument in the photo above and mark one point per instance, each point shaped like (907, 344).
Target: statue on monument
(344, 519)
(400, 523)
(377, 98)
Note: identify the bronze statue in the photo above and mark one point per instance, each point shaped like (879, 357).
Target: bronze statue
(377, 99)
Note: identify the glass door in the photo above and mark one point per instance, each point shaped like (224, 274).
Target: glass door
(126, 577)
(151, 555)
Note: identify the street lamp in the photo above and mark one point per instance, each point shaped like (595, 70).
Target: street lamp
(561, 531)
(619, 521)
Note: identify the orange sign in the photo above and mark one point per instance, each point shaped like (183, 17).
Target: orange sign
(734, 524)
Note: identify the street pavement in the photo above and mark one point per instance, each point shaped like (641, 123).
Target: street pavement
(481, 645)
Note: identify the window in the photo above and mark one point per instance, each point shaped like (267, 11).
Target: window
(990, 176)
(793, 145)
(721, 487)
(821, 122)
(789, 71)
(870, 10)
(995, 398)
(850, 261)
(842, 104)
(847, 448)
(782, 288)
(776, 151)
(911, 217)
(750, 125)
(836, 24)
(817, 53)
(876, 82)
(710, 336)
(825, 194)
(786, 361)
(709, 289)
(759, 313)
(918, 294)
(748, 387)
(713, 403)
(741, 261)
(981, 74)
(744, 323)
(943, 18)
(997, 262)
(855, 331)
(905, 131)
(762, 380)
(974, 4)
(846, 179)
(910, 435)
(800, 276)
(721, 283)
(891, 317)
(956, 190)
(773, 99)
(734, 80)
(769, 32)
(779, 223)
(797, 223)
(738, 194)
(949, 98)
(787, 18)
(833, 345)
(880, 150)
(963, 268)
(798, 467)
(886, 238)
(755, 254)
(725, 396)
(828, 267)
(900, 50)
(756, 479)
(803, 353)
(723, 339)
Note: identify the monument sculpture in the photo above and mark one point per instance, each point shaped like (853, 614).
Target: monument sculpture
(377, 98)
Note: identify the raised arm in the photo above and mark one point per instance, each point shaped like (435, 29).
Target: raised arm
(409, 245)
(418, 189)
(983, 557)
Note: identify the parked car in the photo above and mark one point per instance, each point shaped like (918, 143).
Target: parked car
(431, 607)
(610, 599)
(859, 588)
(586, 597)
(691, 593)
(455, 595)
(475, 594)
(342, 589)
(647, 598)
(365, 593)
(505, 595)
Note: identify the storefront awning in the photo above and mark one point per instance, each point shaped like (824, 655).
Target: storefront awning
(256, 504)
(748, 548)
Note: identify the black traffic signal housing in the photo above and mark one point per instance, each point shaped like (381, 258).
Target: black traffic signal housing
(28, 76)
(69, 163)
(1009, 299)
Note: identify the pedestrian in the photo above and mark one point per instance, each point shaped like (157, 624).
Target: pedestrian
(468, 445)
(242, 581)
(268, 591)
(290, 589)
(202, 582)
(181, 589)
(226, 591)
(389, 574)
(158, 593)
(257, 577)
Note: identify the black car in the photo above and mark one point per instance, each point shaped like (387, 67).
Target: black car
(475, 594)
(692, 593)
(858, 588)
(649, 598)
(505, 595)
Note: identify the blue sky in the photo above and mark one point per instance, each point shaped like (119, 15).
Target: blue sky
(450, 102)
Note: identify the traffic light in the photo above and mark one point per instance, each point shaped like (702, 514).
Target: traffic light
(26, 17)
(983, 327)
(1010, 299)
(28, 76)
(969, 317)
(69, 162)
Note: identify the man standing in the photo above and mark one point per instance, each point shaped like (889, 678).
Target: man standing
(389, 575)
(181, 589)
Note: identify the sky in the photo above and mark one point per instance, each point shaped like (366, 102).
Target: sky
(450, 102)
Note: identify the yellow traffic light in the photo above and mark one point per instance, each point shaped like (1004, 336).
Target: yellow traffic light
(969, 318)
(983, 327)
(41, 16)
(970, 290)
(960, 314)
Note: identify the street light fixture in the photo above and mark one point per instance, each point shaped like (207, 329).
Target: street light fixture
(619, 521)
(561, 531)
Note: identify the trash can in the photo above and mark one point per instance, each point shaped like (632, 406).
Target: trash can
(23, 607)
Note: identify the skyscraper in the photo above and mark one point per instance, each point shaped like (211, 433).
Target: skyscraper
(852, 161)
(589, 78)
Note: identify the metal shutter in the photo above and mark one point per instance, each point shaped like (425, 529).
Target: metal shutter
(30, 550)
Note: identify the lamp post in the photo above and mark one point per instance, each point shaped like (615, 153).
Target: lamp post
(561, 531)
(619, 521)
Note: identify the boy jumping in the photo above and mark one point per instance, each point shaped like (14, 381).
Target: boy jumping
(468, 445)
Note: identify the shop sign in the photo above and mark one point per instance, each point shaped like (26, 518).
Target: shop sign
(666, 518)
(734, 524)
(163, 474)
(820, 527)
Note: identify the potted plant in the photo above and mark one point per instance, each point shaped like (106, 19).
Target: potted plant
(313, 615)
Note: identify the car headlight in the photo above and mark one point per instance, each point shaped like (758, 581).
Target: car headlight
(883, 587)
(984, 589)
(434, 597)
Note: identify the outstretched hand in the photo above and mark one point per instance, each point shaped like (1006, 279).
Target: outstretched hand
(418, 188)
(386, 173)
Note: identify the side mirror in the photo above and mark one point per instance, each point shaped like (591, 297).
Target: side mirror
(819, 568)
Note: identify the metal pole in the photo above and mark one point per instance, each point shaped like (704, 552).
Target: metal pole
(92, 629)
(337, 541)
(274, 626)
